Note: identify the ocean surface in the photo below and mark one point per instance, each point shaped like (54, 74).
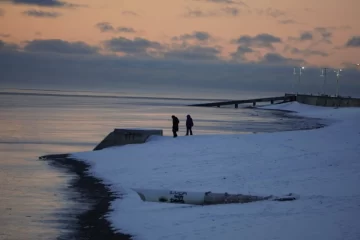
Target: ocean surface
(35, 199)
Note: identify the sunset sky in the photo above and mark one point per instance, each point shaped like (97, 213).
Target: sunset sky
(317, 33)
(146, 42)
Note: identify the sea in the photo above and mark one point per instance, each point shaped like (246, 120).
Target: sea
(36, 201)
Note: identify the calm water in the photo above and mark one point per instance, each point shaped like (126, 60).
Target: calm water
(35, 201)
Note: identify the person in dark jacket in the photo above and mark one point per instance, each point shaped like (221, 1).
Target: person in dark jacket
(175, 126)
(189, 125)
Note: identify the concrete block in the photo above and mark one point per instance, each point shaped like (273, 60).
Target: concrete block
(120, 137)
(328, 101)
(204, 198)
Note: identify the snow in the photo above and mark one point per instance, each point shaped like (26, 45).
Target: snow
(321, 165)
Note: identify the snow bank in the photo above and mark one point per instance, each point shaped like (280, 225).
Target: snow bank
(321, 165)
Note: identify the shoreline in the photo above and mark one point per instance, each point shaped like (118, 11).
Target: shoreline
(282, 113)
(91, 224)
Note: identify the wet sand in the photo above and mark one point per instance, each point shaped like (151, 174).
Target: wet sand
(90, 224)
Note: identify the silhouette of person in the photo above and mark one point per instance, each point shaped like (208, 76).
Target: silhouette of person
(175, 126)
(189, 125)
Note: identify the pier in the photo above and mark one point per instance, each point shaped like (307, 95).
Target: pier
(285, 98)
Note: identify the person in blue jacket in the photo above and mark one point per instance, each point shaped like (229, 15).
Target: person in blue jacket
(189, 125)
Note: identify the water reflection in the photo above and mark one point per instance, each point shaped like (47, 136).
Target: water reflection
(34, 196)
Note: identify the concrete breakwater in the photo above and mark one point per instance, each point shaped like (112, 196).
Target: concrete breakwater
(327, 101)
(120, 137)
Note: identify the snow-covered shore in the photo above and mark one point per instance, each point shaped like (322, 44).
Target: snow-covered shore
(321, 165)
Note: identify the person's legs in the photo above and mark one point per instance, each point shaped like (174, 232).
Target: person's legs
(191, 131)
(187, 131)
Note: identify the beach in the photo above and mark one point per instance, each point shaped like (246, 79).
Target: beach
(320, 165)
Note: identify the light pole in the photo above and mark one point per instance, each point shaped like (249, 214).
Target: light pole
(337, 81)
(299, 76)
(323, 74)
(293, 84)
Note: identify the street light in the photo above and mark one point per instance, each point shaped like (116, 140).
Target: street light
(337, 81)
(323, 74)
(299, 76)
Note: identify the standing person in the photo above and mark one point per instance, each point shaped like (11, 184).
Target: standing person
(189, 125)
(175, 126)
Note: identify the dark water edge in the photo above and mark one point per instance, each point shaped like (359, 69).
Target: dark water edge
(90, 224)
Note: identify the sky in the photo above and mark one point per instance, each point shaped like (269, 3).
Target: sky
(259, 32)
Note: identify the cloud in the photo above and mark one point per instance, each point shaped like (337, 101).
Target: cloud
(2, 12)
(304, 36)
(277, 59)
(107, 27)
(287, 21)
(263, 40)
(194, 66)
(223, 12)
(234, 11)
(231, 11)
(275, 13)
(60, 46)
(241, 52)
(144, 48)
(197, 13)
(229, 2)
(196, 35)
(353, 42)
(4, 35)
(125, 30)
(42, 3)
(4, 46)
(317, 36)
(129, 13)
(325, 33)
(342, 27)
(306, 52)
(195, 53)
(138, 46)
(42, 14)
